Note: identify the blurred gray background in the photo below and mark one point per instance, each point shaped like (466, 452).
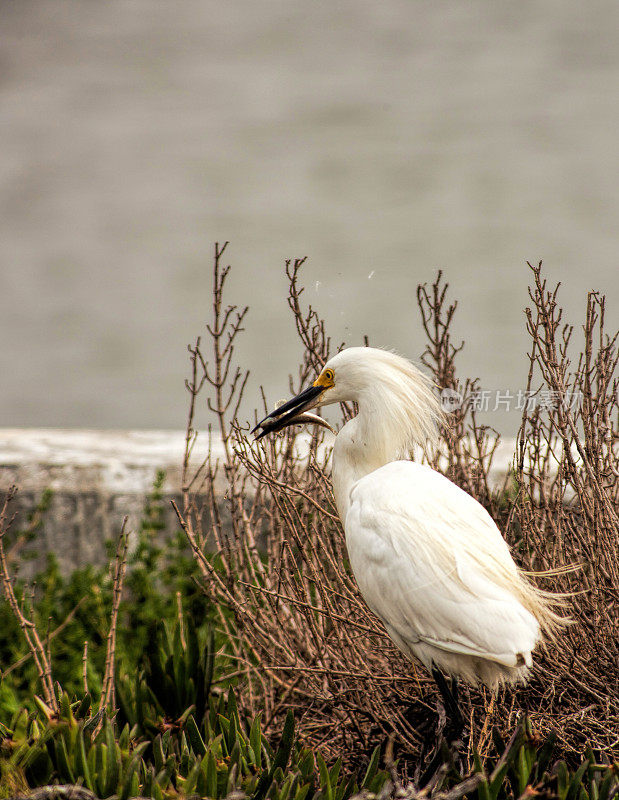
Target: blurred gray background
(384, 140)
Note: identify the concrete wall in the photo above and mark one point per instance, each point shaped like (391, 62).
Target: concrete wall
(96, 478)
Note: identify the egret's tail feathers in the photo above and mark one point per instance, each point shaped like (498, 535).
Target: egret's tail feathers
(544, 605)
(555, 571)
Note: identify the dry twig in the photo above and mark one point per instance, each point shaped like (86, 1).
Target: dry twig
(37, 649)
(108, 700)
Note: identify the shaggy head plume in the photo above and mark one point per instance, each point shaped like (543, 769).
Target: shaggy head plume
(397, 401)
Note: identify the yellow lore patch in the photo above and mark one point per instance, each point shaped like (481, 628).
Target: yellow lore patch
(325, 380)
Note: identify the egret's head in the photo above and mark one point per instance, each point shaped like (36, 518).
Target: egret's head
(388, 388)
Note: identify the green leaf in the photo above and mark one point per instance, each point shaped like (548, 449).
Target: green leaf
(39, 768)
(231, 735)
(123, 739)
(191, 781)
(201, 779)
(285, 789)
(148, 782)
(95, 765)
(232, 780)
(113, 763)
(302, 792)
(135, 782)
(224, 724)
(209, 662)
(608, 781)
(575, 786)
(124, 702)
(562, 780)
(235, 755)
(483, 790)
(158, 754)
(522, 770)
(193, 650)
(184, 766)
(65, 708)
(346, 789)
(82, 762)
(130, 784)
(182, 720)
(165, 775)
(255, 741)
(193, 734)
(139, 701)
(233, 711)
(495, 785)
(178, 653)
(155, 672)
(211, 776)
(84, 706)
(334, 772)
(543, 757)
(281, 757)
(372, 767)
(325, 779)
(62, 757)
(43, 707)
(181, 682)
(91, 723)
(285, 745)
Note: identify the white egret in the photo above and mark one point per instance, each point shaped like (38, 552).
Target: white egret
(428, 559)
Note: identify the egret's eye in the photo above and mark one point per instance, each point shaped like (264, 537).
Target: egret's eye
(326, 379)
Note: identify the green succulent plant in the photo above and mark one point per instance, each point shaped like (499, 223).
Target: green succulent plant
(173, 736)
(163, 744)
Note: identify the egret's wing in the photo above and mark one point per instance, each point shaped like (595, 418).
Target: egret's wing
(431, 563)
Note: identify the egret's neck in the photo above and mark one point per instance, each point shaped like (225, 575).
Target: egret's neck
(359, 449)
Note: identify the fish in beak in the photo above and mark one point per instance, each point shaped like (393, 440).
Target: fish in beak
(293, 412)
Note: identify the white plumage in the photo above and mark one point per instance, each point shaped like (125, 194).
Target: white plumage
(429, 560)
(432, 565)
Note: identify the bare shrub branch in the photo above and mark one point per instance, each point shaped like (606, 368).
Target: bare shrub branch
(108, 699)
(52, 635)
(35, 645)
(566, 509)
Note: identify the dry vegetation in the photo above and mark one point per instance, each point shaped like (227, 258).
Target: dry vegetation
(300, 630)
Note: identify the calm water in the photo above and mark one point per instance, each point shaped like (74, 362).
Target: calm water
(382, 140)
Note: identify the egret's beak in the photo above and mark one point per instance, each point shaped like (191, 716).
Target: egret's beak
(293, 413)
